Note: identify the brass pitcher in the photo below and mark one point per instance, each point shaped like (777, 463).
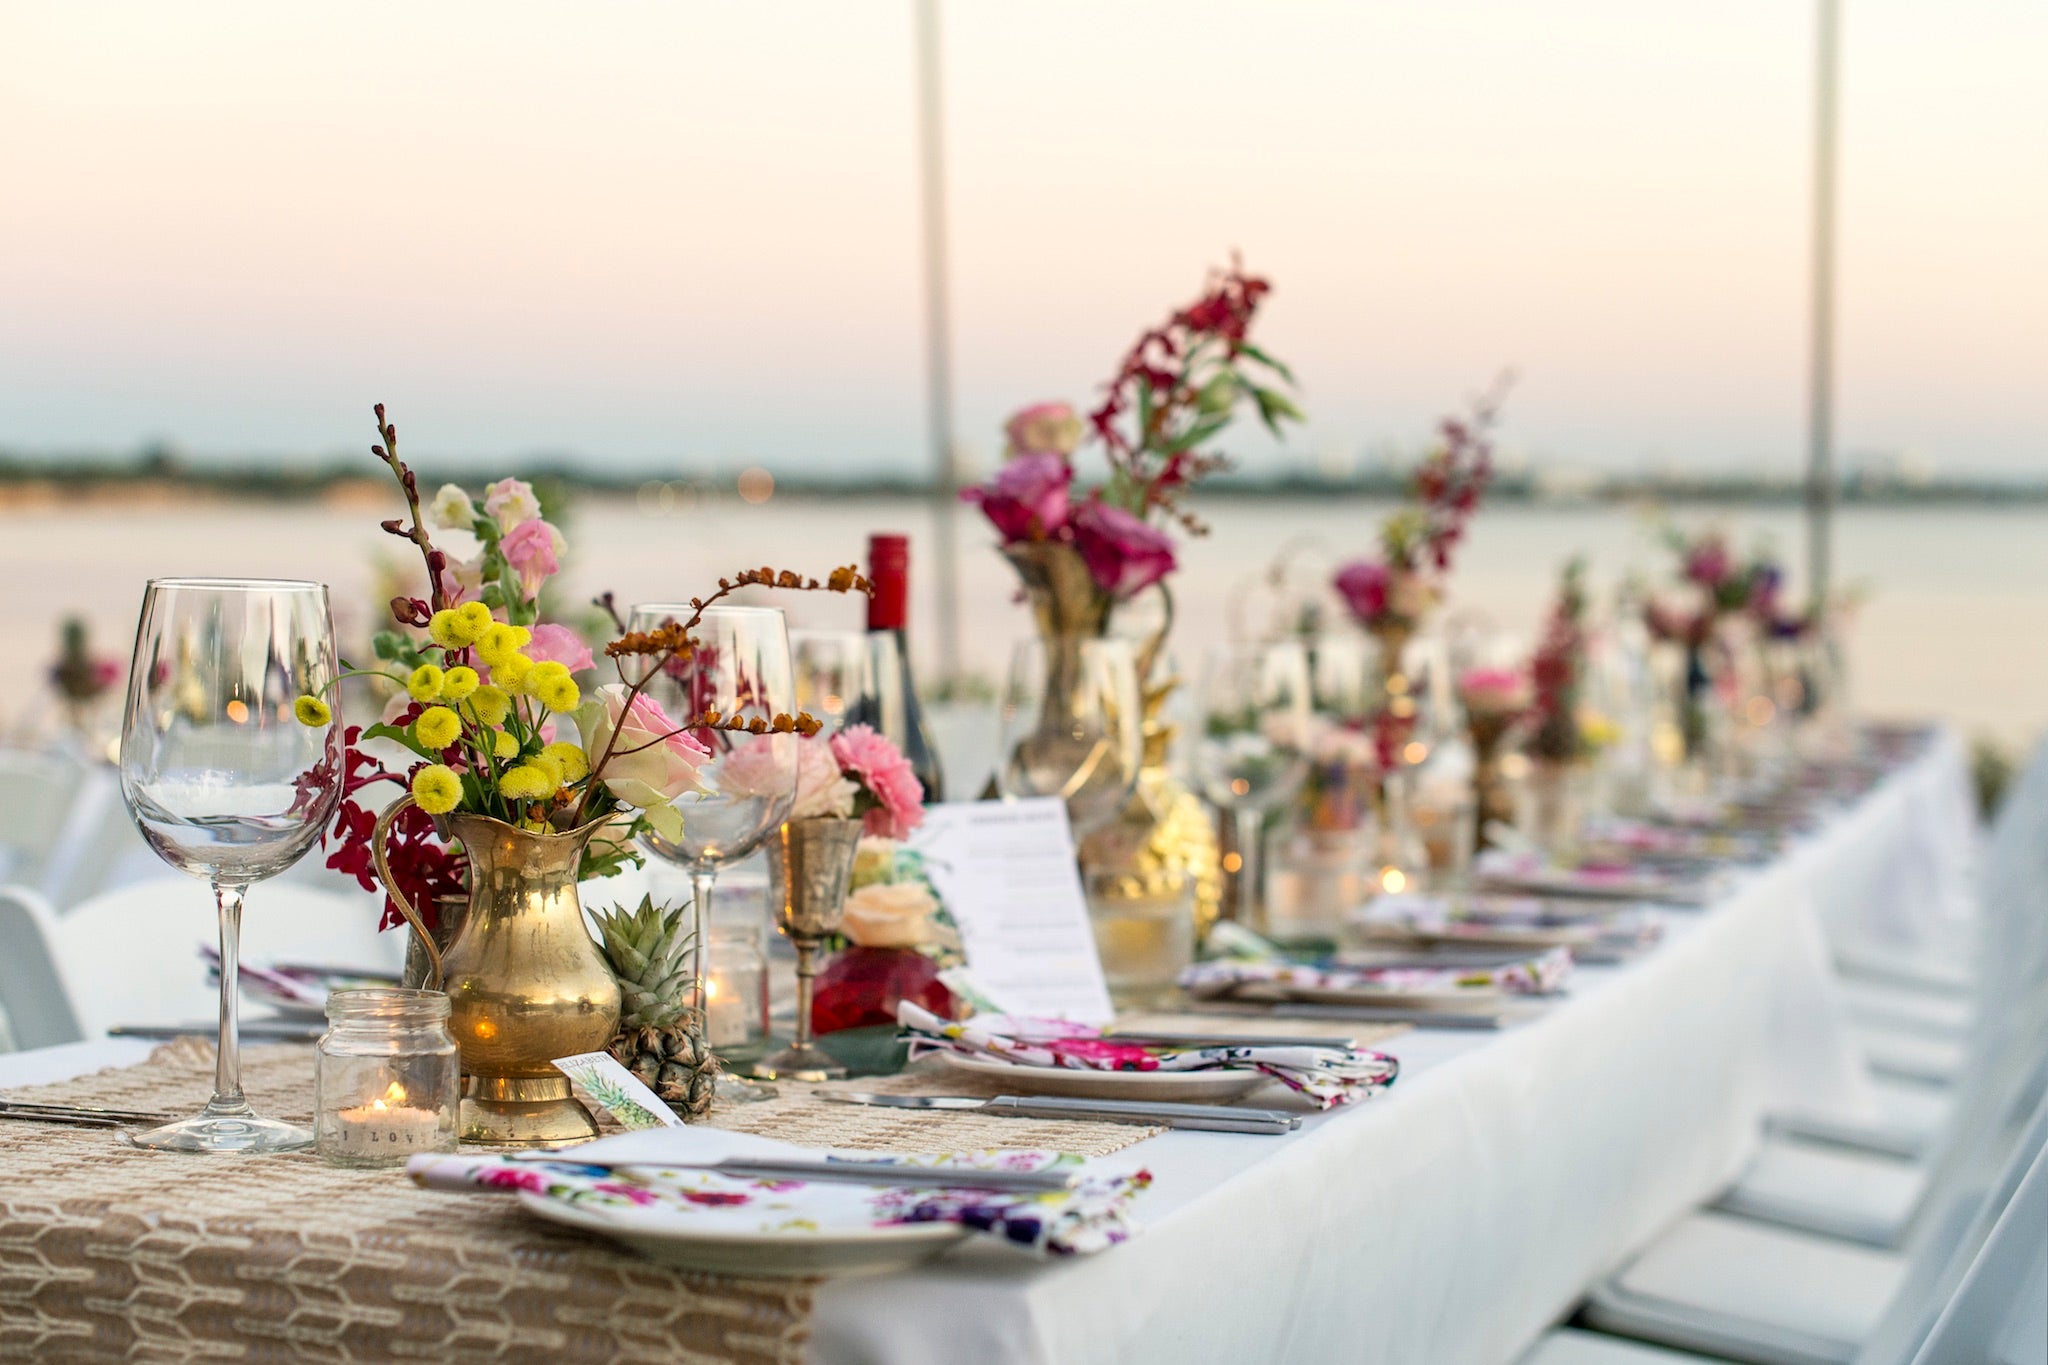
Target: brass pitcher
(525, 981)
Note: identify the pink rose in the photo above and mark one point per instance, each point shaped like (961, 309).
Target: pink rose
(559, 644)
(653, 761)
(1494, 691)
(511, 502)
(1027, 499)
(533, 549)
(1123, 554)
(1043, 429)
(1363, 586)
(882, 770)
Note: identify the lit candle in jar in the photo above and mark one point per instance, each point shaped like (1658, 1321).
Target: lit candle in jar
(725, 1010)
(386, 1128)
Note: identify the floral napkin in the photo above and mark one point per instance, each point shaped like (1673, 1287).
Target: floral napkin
(1327, 1075)
(1094, 1214)
(1540, 974)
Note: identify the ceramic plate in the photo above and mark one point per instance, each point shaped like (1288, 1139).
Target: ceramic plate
(681, 1242)
(1182, 1087)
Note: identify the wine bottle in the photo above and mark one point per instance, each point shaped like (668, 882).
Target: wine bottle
(889, 700)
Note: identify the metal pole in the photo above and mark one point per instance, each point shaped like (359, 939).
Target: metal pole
(938, 336)
(1820, 381)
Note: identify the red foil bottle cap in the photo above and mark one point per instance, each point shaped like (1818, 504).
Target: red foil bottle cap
(889, 571)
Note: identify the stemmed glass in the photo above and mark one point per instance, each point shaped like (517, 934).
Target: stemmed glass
(1253, 750)
(228, 782)
(832, 672)
(741, 669)
(1072, 727)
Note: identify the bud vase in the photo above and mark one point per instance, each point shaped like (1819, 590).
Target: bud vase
(525, 981)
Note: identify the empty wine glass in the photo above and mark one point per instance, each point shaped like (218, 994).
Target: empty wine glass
(741, 669)
(229, 782)
(832, 671)
(1253, 750)
(1072, 727)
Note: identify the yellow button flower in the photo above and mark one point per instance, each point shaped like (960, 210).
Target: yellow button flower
(312, 712)
(511, 675)
(570, 758)
(458, 683)
(527, 782)
(500, 642)
(437, 789)
(437, 727)
(490, 705)
(551, 682)
(425, 683)
(504, 745)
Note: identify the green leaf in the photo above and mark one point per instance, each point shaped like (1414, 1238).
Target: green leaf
(1274, 408)
(1246, 348)
(398, 736)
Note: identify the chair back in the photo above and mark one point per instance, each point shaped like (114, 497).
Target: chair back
(36, 794)
(32, 989)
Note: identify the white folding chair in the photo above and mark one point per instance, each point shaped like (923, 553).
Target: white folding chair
(1845, 1180)
(1751, 1291)
(1999, 1313)
(37, 790)
(32, 993)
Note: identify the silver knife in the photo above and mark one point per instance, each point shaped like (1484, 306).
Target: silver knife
(1213, 1118)
(851, 1172)
(1196, 1039)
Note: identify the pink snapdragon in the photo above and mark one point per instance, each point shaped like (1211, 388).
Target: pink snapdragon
(554, 643)
(533, 549)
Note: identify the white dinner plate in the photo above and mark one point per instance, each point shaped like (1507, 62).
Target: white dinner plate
(685, 1243)
(1178, 1087)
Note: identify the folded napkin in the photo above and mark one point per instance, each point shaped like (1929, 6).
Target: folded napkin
(1327, 1075)
(1539, 974)
(1092, 1215)
(1480, 916)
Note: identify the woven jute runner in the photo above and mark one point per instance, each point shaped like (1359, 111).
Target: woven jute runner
(110, 1253)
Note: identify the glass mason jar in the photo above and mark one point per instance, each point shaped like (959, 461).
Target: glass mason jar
(736, 991)
(388, 1078)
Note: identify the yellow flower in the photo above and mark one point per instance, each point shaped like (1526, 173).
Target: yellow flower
(504, 745)
(500, 642)
(548, 766)
(511, 674)
(551, 682)
(476, 619)
(527, 782)
(425, 683)
(312, 712)
(437, 789)
(458, 683)
(574, 763)
(459, 627)
(490, 705)
(437, 727)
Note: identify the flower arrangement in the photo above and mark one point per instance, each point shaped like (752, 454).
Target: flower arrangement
(857, 772)
(1558, 672)
(1494, 692)
(80, 676)
(1718, 586)
(1177, 388)
(1391, 592)
(898, 939)
(491, 702)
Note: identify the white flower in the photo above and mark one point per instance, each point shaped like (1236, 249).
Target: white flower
(512, 502)
(452, 509)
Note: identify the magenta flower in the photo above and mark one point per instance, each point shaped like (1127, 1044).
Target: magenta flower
(1363, 585)
(504, 1178)
(533, 549)
(1123, 554)
(1027, 499)
(1708, 563)
(553, 643)
(716, 1199)
(879, 766)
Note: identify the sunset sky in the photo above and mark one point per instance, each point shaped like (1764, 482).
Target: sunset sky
(677, 236)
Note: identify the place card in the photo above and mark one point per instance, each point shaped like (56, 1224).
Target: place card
(622, 1094)
(1005, 871)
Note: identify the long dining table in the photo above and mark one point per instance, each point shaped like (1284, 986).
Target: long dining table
(1454, 1217)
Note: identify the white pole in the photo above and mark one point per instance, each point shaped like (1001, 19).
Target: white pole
(945, 567)
(1820, 383)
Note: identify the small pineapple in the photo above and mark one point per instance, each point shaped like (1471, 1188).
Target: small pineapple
(660, 1039)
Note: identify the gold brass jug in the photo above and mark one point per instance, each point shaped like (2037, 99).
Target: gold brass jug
(525, 981)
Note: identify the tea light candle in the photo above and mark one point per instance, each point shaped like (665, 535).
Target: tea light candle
(725, 1009)
(386, 1128)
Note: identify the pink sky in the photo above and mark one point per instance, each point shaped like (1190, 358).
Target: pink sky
(672, 235)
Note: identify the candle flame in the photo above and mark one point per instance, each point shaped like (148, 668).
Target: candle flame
(394, 1094)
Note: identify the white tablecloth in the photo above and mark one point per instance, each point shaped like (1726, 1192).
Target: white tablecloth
(1452, 1219)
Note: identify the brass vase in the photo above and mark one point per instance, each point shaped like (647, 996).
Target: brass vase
(525, 981)
(810, 863)
(1492, 797)
(1154, 873)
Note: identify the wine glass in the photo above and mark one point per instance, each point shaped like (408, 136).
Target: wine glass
(832, 671)
(741, 669)
(1253, 750)
(227, 782)
(1072, 727)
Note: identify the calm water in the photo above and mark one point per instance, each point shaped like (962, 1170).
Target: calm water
(1956, 624)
